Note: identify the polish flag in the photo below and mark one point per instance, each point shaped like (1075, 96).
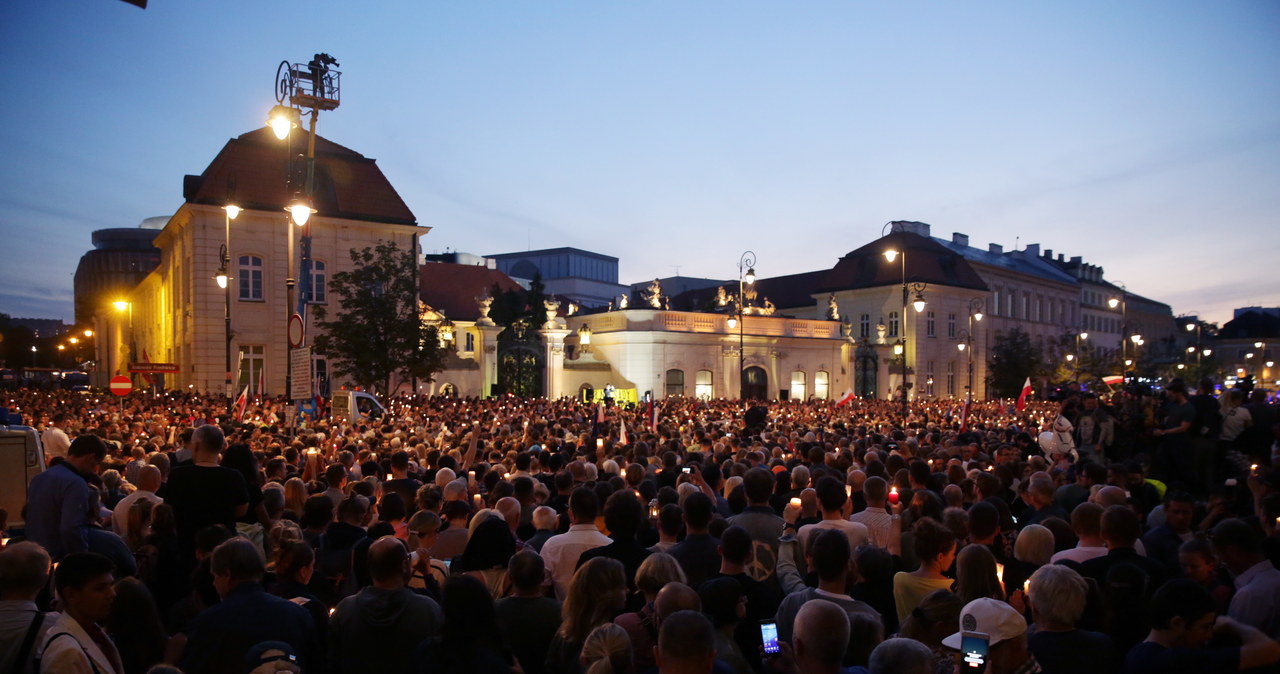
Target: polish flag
(964, 416)
(1022, 397)
(622, 433)
(242, 401)
(844, 400)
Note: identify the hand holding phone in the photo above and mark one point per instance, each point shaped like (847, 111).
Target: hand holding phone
(769, 637)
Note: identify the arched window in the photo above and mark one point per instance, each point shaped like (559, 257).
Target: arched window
(316, 291)
(675, 382)
(798, 385)
(250, 275)
(703, 387)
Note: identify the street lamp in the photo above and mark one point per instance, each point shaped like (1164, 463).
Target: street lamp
(302, 88)
(230, 211)
(890, 255)
(33, 355)
(746, 278)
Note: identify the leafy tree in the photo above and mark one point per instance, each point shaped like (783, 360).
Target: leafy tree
(377, 331)
(1013, 358)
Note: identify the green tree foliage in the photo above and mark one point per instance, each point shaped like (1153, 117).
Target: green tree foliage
(1014, 358)
(510, 306)
(377, 332)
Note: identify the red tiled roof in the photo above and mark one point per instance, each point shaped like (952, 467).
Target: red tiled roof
(252, 172)
(454, 288)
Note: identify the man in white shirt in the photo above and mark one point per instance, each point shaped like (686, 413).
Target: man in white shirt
(1086, 521)
(148, 483)
(875, 517)
(832, 498)
(1257, 599)
(54, 439)
(561, 552)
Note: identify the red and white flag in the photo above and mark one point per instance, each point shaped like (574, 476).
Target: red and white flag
(845, 399)
(964, 416)
(622, 431)
(242, 401)
(1022, 397)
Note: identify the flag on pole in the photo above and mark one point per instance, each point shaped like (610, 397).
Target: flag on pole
(262, 379)
(622, 432)
(653, 416)
(1022, 397)
(845, 399)
(242, 401)
(964, 415)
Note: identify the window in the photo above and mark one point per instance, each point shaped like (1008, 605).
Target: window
(320, 374)
(798, 381)
(951, 326)
(252, 365)
(250, 278)
(1026, 306)
(316, 289)
(951, 377)
(864, 325)
(893, 324)
(928, 325)
(702, 387)
(821, 385)
(675, 382)
(469, 341)
(928, 379)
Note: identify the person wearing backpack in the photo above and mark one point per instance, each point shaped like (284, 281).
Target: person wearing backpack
(24, 571)
(76, 643)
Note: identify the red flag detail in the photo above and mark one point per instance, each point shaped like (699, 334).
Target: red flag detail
(845, 399)
(1022, 397)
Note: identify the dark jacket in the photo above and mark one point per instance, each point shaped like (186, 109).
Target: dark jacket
(219, 638)
(377, 630)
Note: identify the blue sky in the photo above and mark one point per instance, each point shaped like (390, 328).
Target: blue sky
(1143, 136)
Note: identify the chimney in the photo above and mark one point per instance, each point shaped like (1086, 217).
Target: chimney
(1059, 257)
(1077, 259)
(996, 248)
(960, 239)
(1048, 253)
(1033, 250)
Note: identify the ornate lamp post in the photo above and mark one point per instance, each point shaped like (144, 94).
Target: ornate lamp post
(307, 89)
(746, 277)
(890, 255)
(223, 279)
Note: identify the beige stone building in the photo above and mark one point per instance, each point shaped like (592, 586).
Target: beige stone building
(176, 314)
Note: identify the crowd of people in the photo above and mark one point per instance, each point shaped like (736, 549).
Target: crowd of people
(1127, 533)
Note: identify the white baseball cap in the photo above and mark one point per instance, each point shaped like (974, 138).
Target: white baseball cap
(995, 618)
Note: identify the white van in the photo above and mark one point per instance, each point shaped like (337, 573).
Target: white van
(356, 407)
(21, 458)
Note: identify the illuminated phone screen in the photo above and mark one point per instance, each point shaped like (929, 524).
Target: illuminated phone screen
(769, 636)
(973, 651)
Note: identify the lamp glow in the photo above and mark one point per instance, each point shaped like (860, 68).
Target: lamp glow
(750, 278)
(1191, 326)
(1207, 352)
(961, 346)
(1084, 335)
(88, 333)
(1136, 339)
(282, 121)
(221, 279)
(891, 255)
(733, 322)
(918, 303)
(897, 349)
(978, 317)
(300, 211)
(232, 210)
(1113, 303)
(120, 305)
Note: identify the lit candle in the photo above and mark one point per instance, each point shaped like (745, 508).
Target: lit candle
(599, 444)
(1000, 573)
(479, 502)
(331, 611)
(1026, 586)
(1253, 469)
(848, 490)
(893, 495)
(795, 503)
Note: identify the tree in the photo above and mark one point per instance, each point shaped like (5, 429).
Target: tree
(378, 331)
(1013, 358)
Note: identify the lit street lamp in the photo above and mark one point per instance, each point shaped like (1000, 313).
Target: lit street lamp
(748, 263)
(230, 211)
(302, 89)
(890, 255)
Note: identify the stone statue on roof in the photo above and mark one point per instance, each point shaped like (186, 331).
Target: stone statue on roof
(482, 304)
(833, 312)
(722, 298)
(653, 294)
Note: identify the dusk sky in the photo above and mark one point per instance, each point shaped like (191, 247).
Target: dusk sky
(1143, 136)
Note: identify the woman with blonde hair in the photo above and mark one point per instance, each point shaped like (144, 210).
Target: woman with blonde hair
(295, 497)
(654, 573)
(596, 594)
(607, 650)
(976, 574)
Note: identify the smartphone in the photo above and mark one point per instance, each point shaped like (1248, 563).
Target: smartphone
(687, 470)
(973, 651)
(769, 637)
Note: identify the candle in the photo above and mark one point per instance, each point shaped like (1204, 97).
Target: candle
(795, 503)
(1000, 573)
(599, 444)
(1026, 586)
(479, 502)
(893, 495)
(848, 490)
(1253, 468)
(471, 476)
(331, 611)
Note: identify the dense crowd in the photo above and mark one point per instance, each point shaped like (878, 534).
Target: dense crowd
(1129, 533)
